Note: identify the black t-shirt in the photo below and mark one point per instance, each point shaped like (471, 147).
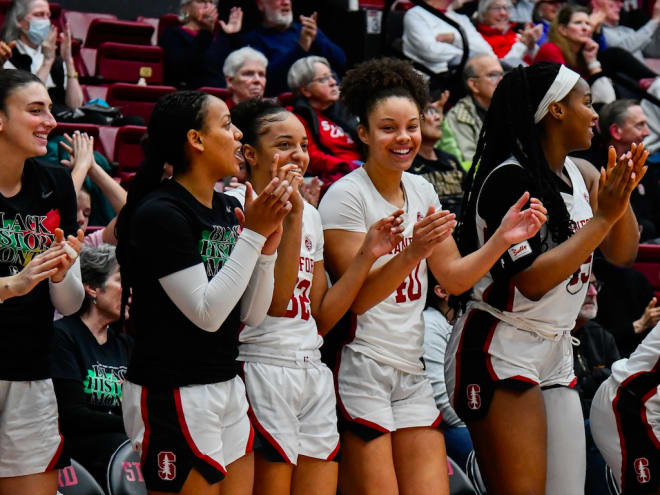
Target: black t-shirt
(28, 220)
(172, 231)
(101, 369)
(446, 175)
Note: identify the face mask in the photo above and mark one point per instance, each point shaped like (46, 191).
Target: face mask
(39, 30)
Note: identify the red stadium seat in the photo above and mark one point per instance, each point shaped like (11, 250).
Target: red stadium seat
(153, 21)
(136, 100)
(80, 21)
(93, 92)
(129, 32)
(286, 99)
(648, 263)
(167, 21)
(128, 150)
(221, 93)
(119, 62)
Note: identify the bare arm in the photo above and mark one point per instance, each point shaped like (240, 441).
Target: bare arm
(111, 189)
(556, 265)
(329, 305)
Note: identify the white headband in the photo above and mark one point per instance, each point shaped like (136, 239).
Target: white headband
(563, 83)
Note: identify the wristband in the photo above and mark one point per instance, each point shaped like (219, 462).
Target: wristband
(74, 75)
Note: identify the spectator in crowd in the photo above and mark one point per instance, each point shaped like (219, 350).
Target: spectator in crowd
(432, 42)
(625, 37)
(83, 164)
(623, 123)
(245, 73)
(513, 43)
(284, 41)
(28, 29)
(521, 10)
(481, 75)
(440, 168)
(592, 358)
(332, 132)
(545, 11)
(88, 363)
(438, 319)
(625, 422)
(626, 305)
(196, 50)
(569, 43)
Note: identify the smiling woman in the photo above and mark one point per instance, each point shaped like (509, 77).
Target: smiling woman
(198, 266)
(383, 393)
(37, 209)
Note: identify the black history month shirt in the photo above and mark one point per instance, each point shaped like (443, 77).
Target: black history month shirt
(100, 368)
(28, 221)
(171, 231)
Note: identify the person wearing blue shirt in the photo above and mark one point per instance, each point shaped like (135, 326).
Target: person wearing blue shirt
(284, 41)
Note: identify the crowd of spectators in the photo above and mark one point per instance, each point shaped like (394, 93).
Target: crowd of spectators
(291, 58)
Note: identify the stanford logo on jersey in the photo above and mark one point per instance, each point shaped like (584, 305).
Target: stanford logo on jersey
(641, 469)
(166, 466)
(308, 243)
(473, 397)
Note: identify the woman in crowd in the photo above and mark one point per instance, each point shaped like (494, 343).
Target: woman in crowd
(625, 418)
(195, 266)
(196, 50)
(333, 150)
(283, 369)
(509, 360)
(28, 26)
(392, 439)
(88, 365)
(512, 43)
(39, 272)
(245, 72)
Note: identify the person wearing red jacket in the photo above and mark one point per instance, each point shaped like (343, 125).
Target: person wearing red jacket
(331, 132)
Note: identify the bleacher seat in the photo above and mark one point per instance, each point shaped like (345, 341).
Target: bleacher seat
(119, 62)
(124, 476)
(76, 480)
(128, 150)
(136, 100)
(129, 32)
(459, 484)
(80, 21)
(648, 263)
(474, 475)
(154, 21)
(286, 99)
(91, 92)
(167, 21)
(222, 93)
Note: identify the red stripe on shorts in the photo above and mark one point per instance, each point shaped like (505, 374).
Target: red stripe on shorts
(189, 439)
(267, 435)
(147, 428)
(58, 452)
(333, 454)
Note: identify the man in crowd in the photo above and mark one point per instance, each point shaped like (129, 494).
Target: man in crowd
(482, 74)
(284, 41)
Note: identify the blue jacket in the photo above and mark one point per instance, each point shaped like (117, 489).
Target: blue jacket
(282, 50)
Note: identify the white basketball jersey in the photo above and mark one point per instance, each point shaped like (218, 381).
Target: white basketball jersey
(557, 310)
(293, 336)
(392, 332)
(645, 358)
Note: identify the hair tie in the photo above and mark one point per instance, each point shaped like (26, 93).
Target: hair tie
(560, 87)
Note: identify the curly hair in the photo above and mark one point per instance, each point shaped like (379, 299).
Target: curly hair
(370, 82)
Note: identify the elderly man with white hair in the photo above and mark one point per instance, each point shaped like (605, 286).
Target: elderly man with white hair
(245, 73)
(196, 50)
(284, 41)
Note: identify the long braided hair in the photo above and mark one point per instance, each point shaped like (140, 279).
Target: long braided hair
(509, 129)
(173, 116)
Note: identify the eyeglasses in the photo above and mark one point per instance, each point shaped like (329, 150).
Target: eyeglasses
(491, 76)
(325, 79)
(597, 285)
